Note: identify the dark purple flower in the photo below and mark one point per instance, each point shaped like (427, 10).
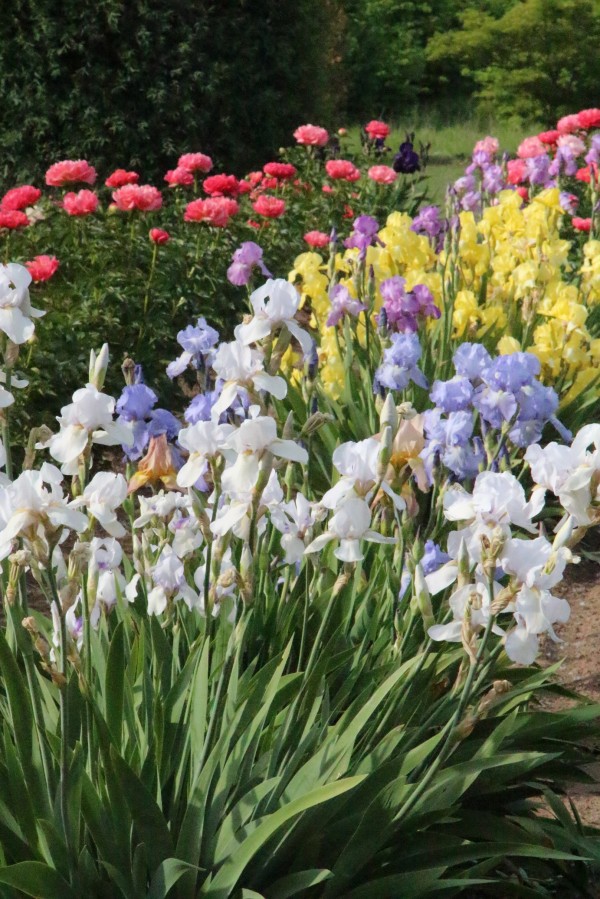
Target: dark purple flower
(406, 161)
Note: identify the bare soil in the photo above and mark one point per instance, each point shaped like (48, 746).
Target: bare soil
(580, 670)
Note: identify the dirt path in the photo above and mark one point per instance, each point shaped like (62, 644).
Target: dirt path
(580, 671)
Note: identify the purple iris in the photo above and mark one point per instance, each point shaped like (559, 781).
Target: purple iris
(538, 170)
(564, 163)
(364, 235)
(493, 179)
(406, 161)
(471, 360)
(429, 221)
(245, 258)
(403, 309)
(454, 395)
(198, 339)
(342, 303)
(136, 402)
(399, 366)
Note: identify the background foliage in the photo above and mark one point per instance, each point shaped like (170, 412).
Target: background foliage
(136, 83)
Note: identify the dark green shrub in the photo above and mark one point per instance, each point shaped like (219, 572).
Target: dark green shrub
(136, 83)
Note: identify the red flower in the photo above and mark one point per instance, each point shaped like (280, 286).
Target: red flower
(281, 170)
(254, 224)
(327, 189)
(581, 224)
(20, 197)
(311, 136)
(195, 162)
(221, 185)
(523, 193)
(316, 238)
(41, 268)
(157, 235)
(137, 196)
(70, 171)
(13, 218)
(120, 178)
(244, 187)
(179, 177)
(382, 174)
(549, 137)
(589, 118)
(377, 129)
(585, 174)
(342, 170)
(254, 178)
(270, 207)
(216, 211)
(516, 170)
(348, 212)
(82, 203)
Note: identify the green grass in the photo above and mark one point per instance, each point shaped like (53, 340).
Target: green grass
(451, 143)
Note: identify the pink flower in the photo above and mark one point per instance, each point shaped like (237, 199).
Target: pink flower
(489, 145)
(516, 170)
(179, 177)
(316, 238)
(221, 185)
(382, 174)
(269, 183)
(195, 162)
(523, 193)
(137, 196)
(157, 235)
(549, 137)
(70, 171)
(41, 268)
(311, 136)
(530, 147)
(216, 211)
(244, 187)
(270, 207)
(589, 118)
(13, 218)
(568, 123)
(20, 197)
(581, 224)
(82, 203)
(327, 189)
(254, 178)
(281, 170)
(120, 178)
(342, 170)
(377, 129)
